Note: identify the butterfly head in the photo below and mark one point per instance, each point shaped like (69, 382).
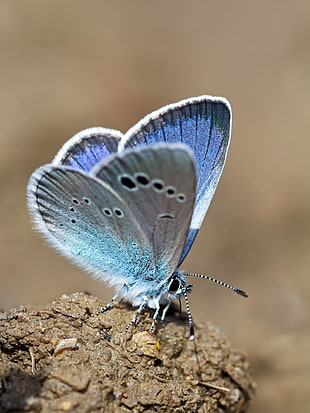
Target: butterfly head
(177, 285)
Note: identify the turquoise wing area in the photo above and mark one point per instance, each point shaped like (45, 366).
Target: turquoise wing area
(87, 222)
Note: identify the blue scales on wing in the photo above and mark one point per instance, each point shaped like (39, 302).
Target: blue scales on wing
(88, 147)
(204, 125)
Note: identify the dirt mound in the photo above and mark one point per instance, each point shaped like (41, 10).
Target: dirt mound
(66, 358)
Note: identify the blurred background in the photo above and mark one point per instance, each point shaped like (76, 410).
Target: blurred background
(66, 66)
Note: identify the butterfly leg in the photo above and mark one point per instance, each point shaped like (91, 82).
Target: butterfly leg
(166, 308)
(185, 290)
(155, 317)
(118, 293)
(140, 309)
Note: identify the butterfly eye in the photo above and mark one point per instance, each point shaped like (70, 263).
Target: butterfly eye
(127, 182)
(174, 285)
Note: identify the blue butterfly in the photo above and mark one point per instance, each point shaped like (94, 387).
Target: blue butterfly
(127, 208)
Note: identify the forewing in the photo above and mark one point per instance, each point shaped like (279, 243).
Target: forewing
(202, 123)
(158, 184)
(89, 223)
(87, 148)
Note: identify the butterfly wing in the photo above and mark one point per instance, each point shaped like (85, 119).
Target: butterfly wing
(202, 123)
(87, 148)
(77, 215)
(158, 184)
(100, 225)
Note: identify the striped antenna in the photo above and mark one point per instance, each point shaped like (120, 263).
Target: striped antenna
(206, 277)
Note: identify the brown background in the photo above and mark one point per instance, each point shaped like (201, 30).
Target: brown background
(68, 65)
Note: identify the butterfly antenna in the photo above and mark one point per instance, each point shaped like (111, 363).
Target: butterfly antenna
(206, 277)
(189, 314)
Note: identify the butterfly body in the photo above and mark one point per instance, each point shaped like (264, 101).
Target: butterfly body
(127, 207)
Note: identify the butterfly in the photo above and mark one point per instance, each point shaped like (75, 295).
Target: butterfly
(127, 208)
